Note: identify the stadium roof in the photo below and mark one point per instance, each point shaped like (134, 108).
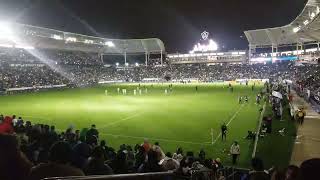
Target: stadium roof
(54, 39)
(305, 28)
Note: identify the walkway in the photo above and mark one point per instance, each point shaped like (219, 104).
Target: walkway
(307, 144)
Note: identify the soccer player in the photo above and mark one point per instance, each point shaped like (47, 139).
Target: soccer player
(224, 130)
(140, 92)
(246, 99)
(240, 99)
(106, 92)
(165, 91)
(146, 90)
(124, 91)
(118, 89)
(196, 88)
(134, 92)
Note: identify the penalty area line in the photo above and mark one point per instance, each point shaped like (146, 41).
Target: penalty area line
(231, 119)
(121, 120)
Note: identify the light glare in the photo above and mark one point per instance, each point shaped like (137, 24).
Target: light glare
(109, 44)
(296, 29)
(211, 46)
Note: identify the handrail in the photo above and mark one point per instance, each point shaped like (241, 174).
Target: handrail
(116, 176)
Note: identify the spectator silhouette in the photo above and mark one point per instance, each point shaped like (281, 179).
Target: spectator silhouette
(58, 166)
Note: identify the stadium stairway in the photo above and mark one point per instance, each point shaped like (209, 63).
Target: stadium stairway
(307, 143)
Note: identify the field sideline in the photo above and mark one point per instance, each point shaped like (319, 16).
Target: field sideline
(182, 118)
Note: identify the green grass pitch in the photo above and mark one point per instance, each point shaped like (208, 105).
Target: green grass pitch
(183, 118)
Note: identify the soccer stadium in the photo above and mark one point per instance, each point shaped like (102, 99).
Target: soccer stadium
(80, 106)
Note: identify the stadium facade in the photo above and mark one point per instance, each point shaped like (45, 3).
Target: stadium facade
(297, 38)
(296, 41)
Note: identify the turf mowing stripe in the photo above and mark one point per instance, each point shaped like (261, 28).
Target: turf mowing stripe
(231, 119)
(121, 120)
(156, 139)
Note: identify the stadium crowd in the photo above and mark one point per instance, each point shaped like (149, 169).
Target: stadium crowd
(18, 68)
(37, 151)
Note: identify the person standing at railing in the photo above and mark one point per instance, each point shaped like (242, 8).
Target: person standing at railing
(235, 152)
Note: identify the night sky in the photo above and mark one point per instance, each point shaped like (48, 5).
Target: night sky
(177, 22)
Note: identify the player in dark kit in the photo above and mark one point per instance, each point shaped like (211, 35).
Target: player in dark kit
(224, 130)
(246, 99)
(240, 99)
(197, 88)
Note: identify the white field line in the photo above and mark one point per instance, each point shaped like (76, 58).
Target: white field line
(258, 132)
(121, 120)
(231, 119)
(155, 139)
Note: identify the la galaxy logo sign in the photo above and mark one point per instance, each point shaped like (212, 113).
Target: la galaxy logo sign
(205, 35)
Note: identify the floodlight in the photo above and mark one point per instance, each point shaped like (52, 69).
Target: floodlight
(87, 41)
(296, 29)
(5, 31)
(137, 64)
(57, 37)
(312, 15)
(109, 44)
(117, 64)
(5, 28)
(213, 46)
(126, 64)
(71, 39)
